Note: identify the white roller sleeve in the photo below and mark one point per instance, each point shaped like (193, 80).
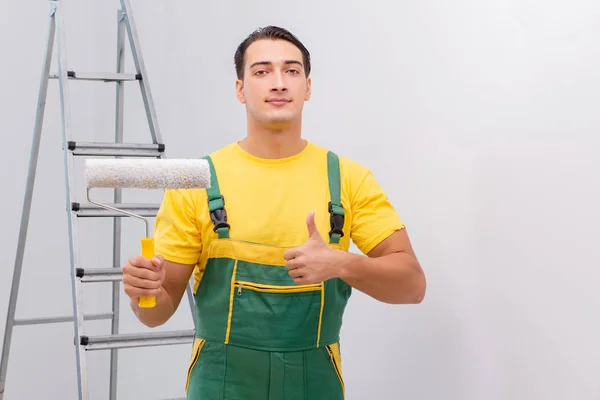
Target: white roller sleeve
(147, 173)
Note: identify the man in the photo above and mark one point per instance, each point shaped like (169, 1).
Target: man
(267, 244)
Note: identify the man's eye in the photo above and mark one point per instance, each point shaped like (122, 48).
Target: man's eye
(260, 72)
(294, 71)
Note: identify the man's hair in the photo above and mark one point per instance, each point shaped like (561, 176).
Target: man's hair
(274, 33)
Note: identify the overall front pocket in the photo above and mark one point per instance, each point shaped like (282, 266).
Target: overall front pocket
(275, 317)
(333, 352)
(196, 349)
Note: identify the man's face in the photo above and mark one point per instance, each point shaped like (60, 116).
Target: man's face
(275, 86)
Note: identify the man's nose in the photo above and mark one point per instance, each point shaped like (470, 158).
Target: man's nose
(278, 83)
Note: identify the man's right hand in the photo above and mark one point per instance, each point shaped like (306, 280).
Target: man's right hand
(143, 277)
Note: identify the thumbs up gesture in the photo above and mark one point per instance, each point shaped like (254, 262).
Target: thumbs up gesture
(314, 261)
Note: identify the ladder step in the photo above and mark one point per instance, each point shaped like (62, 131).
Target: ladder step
(99, 274)
(123, 341)
(117, 149)
(92, 210)
(53, 320)
(99, 76)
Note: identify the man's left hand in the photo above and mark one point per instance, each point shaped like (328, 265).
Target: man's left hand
(314, 261)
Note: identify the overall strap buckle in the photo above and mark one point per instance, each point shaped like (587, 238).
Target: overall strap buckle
(335, 208)
(336, 219)
(216, 203)
(218, 214)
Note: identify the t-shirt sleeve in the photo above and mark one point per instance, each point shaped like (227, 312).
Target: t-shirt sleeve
(177, 236)
(374, 218)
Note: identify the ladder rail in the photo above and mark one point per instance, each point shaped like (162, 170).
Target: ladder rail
(136, 50)
(72, 226)
(117, 198)
(144, 83)
(27, 200)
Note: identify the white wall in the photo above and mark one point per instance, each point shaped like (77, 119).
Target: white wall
(480, 118)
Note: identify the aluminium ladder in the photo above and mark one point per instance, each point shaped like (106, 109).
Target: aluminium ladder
(75, 210)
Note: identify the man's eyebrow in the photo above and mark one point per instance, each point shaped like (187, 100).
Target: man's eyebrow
(293, 62)
(287, 62)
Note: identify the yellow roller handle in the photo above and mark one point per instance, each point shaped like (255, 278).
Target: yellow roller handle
(147, 252)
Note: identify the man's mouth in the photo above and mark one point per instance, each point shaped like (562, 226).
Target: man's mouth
(278, 101)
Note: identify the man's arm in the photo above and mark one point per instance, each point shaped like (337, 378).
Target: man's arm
(161, 278)
(390, 273)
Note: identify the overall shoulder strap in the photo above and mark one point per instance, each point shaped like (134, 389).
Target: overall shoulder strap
(216, 203)
(336, 211)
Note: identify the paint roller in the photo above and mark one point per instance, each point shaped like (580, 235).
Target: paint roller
(145, 174)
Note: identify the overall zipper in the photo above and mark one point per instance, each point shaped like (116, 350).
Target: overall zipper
(335, 366)
(275, 288)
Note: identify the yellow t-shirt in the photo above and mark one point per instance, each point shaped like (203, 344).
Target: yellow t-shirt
(267, 201)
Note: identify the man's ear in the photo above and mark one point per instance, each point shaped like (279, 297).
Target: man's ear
(308, 89)
(239, 91)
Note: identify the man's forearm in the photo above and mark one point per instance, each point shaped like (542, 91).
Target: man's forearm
(395, 278)
(158, 315)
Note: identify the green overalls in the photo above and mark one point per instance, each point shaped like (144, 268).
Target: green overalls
(260, 336)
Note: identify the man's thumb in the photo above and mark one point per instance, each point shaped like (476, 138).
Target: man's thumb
(313, 232)
(157, 261)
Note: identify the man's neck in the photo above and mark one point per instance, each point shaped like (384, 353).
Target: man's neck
(273, 142)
